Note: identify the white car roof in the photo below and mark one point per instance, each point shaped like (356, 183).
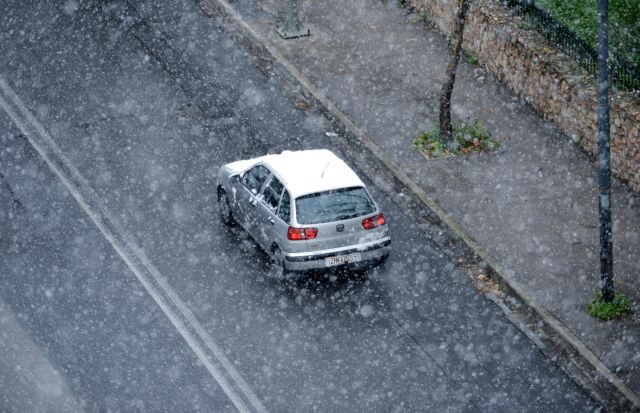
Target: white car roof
(310, 171)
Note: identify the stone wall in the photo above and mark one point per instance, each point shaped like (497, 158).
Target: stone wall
(547, 79)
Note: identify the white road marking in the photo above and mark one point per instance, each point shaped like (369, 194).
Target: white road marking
(206, 349)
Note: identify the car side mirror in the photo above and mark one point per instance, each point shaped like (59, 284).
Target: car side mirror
(234, 179)
(254, 191)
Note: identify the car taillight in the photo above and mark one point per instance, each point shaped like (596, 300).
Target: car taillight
(296, 234)
(372, 222)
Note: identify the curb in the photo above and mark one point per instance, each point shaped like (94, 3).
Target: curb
(557, 340)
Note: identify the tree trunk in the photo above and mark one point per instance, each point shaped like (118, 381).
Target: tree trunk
(446, 129)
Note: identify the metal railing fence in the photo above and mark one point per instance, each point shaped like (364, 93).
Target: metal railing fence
(622, 73)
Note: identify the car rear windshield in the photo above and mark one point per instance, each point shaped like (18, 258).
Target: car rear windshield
(334, 205)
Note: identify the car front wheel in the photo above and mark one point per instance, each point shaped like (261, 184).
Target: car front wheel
(225, 209)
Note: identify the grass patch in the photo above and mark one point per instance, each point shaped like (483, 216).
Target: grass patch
(467, 138)
(582, 17)
(603, 310)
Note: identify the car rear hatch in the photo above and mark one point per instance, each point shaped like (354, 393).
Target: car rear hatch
(345, 233)
(338, 217)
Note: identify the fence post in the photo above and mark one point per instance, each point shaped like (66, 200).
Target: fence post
(292, 27)
(604, 166)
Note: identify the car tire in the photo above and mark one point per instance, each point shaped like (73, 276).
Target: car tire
(225, 209)
(278, 269)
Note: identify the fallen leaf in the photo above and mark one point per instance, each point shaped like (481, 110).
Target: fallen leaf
(302, 104)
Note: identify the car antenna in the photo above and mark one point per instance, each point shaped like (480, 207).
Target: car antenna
(324, 170)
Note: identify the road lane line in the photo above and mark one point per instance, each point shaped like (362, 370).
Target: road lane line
(182, 318)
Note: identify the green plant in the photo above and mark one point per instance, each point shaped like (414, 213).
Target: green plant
(421, 17)
(471, 58)
(402, 3)
(603, 310)
(467, 138)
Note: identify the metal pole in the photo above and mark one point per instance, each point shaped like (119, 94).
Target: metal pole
(292, 27)
(604, 165)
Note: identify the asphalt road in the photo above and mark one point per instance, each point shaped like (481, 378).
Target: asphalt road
(122, 291)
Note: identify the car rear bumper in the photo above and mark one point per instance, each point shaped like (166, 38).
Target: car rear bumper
(370, 251)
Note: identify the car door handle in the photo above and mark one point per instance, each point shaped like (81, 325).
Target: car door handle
(273, 221)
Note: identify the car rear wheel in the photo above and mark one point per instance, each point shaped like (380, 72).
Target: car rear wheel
(277, 270)
(225, 209)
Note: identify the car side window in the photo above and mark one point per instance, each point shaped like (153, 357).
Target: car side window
(272, 194)
(255, 177)
(285, 207)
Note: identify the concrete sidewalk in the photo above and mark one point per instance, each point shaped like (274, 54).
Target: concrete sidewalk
(530, 208)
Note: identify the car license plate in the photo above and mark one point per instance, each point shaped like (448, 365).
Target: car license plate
(343, 259)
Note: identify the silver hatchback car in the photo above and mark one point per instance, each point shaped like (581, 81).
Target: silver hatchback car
(307, 209)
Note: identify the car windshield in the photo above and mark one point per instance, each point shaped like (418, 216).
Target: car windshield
(334, 205)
